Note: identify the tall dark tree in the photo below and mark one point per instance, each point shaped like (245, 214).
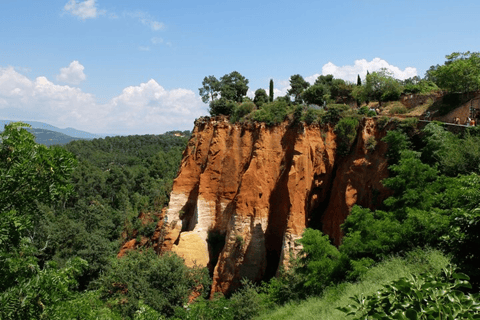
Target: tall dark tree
(298, 85)
(359, 81)
(233, 86)
(260, 97)
(210, 89)
(271, 90)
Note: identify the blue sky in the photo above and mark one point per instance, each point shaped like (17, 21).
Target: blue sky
(134, 67)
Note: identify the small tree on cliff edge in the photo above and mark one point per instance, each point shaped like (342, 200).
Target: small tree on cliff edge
(271, 90)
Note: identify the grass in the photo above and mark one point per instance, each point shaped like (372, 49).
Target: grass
(421, 109)
(323, 307)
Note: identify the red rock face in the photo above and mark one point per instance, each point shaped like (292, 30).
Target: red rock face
(245, 193)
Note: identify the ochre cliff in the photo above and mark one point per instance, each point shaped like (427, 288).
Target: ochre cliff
(245, 192)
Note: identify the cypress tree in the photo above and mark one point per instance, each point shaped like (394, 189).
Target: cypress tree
(368, 73)
(359, 81)
(271, 90)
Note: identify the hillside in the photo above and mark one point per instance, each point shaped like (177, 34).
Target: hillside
(67, 131)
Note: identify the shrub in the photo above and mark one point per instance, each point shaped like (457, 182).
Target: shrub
(242, 110)
(363, 110)
(313, 115)
(398, 109)
(260, 97)
(346, 130)
(427, 296)
(383, 121)
(397, 142)
(333, 113)
(160, 282)
(271, 113)
(371, 143)
(221, 106)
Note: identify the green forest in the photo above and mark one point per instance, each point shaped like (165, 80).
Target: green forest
(66, 210)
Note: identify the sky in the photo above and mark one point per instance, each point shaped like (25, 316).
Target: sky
(134, 67)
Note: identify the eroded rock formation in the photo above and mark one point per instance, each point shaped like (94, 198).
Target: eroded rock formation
(245, 193)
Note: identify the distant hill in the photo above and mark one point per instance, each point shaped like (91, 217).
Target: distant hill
(71, 132)
(49, 137)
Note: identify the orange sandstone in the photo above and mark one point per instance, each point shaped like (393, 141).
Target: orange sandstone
(260, 187)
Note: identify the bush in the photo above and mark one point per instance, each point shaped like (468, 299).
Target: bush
(397, 142)
(422, 87)
(427, 296)
(242, 110)
(398, 109)
(346, 130)
(221, 106)
(334, 113)
(371, 143)
(363, 110)
(271, 113)
(160, 282)
(313, 115)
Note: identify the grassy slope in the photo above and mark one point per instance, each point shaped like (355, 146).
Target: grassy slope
(338, 296)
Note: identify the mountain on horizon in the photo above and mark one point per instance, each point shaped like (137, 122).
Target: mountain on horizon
(72, 132)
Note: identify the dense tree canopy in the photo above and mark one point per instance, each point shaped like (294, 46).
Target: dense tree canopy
(460, 73)
(260, 97)
(297, 86)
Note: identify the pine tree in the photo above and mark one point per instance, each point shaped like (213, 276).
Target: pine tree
(359, 81)
(271, 90)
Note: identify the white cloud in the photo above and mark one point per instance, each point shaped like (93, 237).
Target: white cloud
(360, 67)
(142, 48)
(156, 40)
(73, 74)
(146, 108)
(147, 20)
(83, 10)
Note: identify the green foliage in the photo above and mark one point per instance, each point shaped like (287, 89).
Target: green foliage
(297, 86)
(242, 110)
(29, 171)
(239, 241)
(270, 93)
(379, 86)
(221, 106)
(116, 179)
(317, 94)
(346, 130)
(359, 81)
(87, 305)
(160, 282)
(244, 304)
(418, 86)
(233, 86)
(426, 296)
(271, 113)
(230, 87)
(324, 307)
(30, 175)
(260, 97)
(454, 155)
(319, 262)
(371, 143)
(334, 113)
(312, 115)
(397, 142)
(210, 89)
(363, 110)
(460, 73)
(36, 292)
(398, 109)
